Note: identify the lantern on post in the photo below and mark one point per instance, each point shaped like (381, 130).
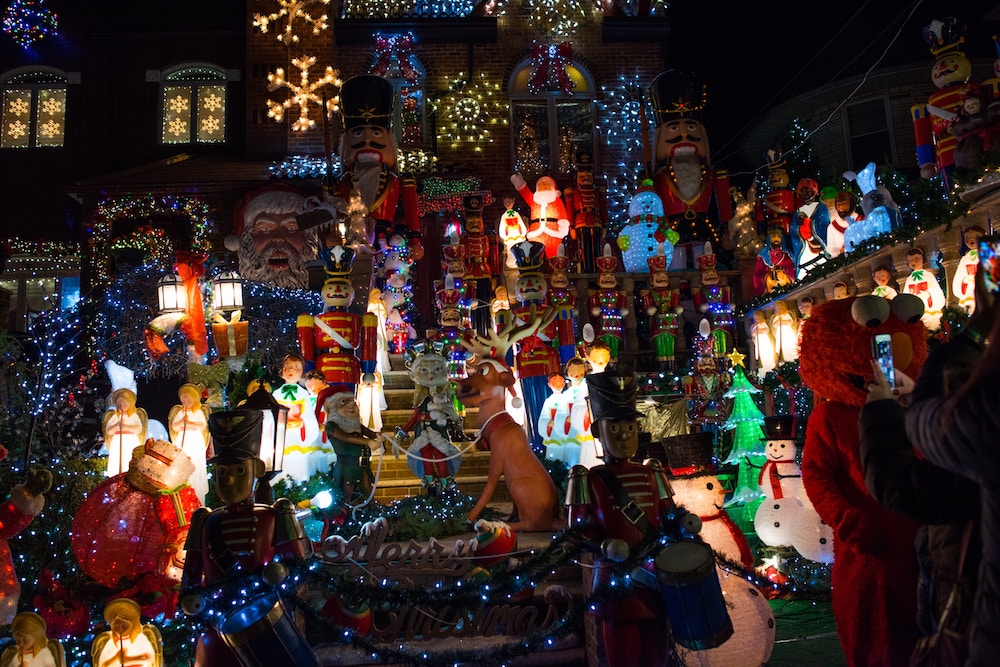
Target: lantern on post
(171, 294)
(227, 292)
(272, 439)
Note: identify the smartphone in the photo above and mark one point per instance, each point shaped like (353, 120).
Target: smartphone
(882, 353)
(989, 262)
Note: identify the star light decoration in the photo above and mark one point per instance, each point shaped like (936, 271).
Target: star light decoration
(289, 11)
(467, 112)
(27, 21)
(301, 95)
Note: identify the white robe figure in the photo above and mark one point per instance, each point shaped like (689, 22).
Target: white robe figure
(188, 431)
(371, 401)
(786, 333)
(835, 232)
(963, 287)
(923, 283)
(591, 451)
(303, 450)
(763, 344)
(554, 427)
(138, 646)
(124, 430)
(43, 658)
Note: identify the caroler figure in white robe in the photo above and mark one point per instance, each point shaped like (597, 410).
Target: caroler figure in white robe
(963, 286)
(923, 283)
(124, 428)
(188, 424)
(763, 344)
(786, 332)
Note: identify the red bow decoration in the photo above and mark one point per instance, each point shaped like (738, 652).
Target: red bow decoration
(190, 266)
(400, 46)
(549, 61)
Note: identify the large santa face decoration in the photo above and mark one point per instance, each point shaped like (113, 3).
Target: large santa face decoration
(270, 245)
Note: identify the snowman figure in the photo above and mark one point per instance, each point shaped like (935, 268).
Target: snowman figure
(639, 240)
(701, 493)
(787, 516)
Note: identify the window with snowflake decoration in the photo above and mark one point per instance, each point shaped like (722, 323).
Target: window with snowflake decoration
(550, 126)
(34, 110)
(194, 105)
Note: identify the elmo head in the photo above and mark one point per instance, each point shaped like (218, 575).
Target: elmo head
(836, 355)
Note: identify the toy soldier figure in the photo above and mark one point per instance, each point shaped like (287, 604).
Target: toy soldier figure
(451, 325)
(477, 269)
(663, 305)
(563, 301)
(608, 305)
(588, 212)
(241, 537)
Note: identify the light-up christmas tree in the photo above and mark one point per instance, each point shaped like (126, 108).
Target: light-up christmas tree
(748, 446)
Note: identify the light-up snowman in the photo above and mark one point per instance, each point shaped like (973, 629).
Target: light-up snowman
(787, 516)
(639, 240)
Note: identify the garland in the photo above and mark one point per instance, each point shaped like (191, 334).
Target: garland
(439, 195)
(145, 238)
(54, 249)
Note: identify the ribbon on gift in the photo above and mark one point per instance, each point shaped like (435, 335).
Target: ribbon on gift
(190, 266)
(549, 61)
(400, 46)
(230, 325)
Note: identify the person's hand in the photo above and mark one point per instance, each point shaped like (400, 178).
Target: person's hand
(880, 389)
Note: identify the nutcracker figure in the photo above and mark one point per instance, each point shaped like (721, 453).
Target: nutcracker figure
(923, 283)
(663, 306)
(239, 539)
(549, 220)
(451, 325)
(563, 301)
(588, 211)
(453, 258)
(778, 207)
(368, 156)
(712, 299)
(477, 271)
(536, 359)
(608, 304)
(620, 505)
(340, 344)
(512, 231)
(683, 175)
(932, 122)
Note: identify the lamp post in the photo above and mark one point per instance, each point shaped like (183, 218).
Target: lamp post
(272, 439)
(227, 292)
(171, 294)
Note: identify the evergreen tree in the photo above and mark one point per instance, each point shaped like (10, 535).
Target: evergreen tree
(747, 453)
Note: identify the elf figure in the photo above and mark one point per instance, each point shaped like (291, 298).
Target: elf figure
(339, 343)
(882, 275)
(430, 455)
(932, 121)
(588, 211)
(512, 231)
(713, 300)
(923, 283)
(536, 359)
(563, 301)
(663, 306)
(549, 220)
(963, 287)
(303, 455)
(477, 271)
(608, 304)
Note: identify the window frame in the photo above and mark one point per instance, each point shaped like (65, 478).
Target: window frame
(848, 137)
(61, 81)
(394, 77)
(518, 93)
(166, 79)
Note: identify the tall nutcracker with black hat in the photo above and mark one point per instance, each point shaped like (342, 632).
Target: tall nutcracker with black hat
(683, 174)
(368, 156)
(625, 506)
(608, 304)
(536, 358)
(238, 540)
(477, 269)
(588, 212)
(338, 343)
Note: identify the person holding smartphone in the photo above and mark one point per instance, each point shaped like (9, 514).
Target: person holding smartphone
(953, 421)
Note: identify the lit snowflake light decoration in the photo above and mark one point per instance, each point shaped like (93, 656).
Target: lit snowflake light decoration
(50, 129)
(210, 124)
(178, 104)
(17, 129)
(177, 127)
(302, 95)
(51, 106)
(290, 11)
(213, 102)
(18, 106)
(467, 112)
(27, 21)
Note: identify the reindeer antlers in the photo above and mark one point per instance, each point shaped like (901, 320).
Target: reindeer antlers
(497, 343)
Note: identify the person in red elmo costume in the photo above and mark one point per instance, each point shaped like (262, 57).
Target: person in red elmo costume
(875, 568)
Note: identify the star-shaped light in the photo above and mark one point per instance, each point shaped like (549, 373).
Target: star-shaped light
(736, 358)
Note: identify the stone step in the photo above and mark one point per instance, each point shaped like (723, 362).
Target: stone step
(396, 480)
(393, 418)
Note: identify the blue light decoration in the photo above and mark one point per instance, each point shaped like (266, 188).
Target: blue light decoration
(620, 120)
(638, 240)
(877, 220)
(28, 21)
(302, 166)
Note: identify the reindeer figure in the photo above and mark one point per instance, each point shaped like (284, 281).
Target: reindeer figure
(530, 486)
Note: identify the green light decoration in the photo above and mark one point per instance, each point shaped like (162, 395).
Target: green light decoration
(748, 449)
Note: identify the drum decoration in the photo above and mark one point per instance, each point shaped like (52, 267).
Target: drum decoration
(692, 595)
(262, 634)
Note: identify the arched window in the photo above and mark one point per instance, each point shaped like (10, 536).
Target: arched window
(549, 127)
(408, 79)
(193, 105)
(34, 109)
